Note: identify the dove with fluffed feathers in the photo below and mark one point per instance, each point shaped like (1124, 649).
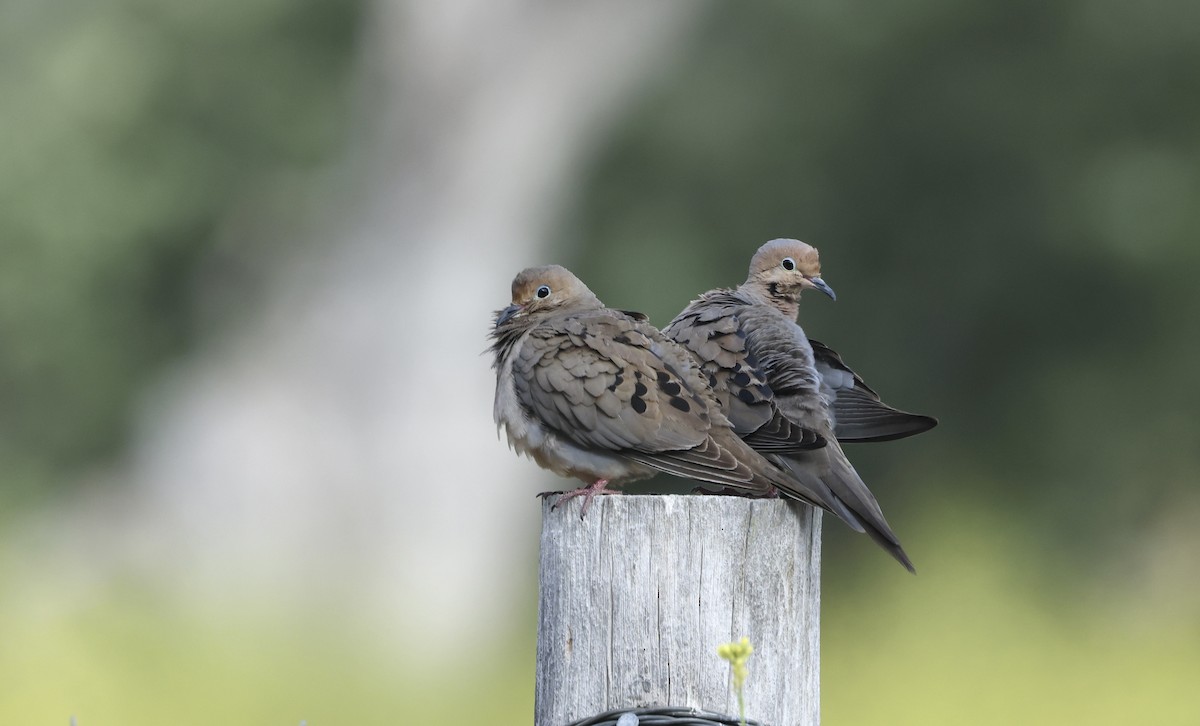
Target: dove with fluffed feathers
(777, 387)
(603, 396)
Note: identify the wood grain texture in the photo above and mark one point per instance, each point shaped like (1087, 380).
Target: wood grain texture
(636, 598)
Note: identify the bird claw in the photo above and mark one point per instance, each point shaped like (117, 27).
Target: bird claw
(587, 492)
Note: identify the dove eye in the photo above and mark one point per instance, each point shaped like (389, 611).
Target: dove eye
(543, 291)
(788, 263)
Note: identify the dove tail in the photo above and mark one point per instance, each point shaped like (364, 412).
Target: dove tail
(810, 490)
(854, 502)
(850, 489)
(885, 538)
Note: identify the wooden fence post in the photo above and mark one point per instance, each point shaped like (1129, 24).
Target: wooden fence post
(636, 598)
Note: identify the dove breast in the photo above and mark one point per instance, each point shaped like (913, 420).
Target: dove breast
(784, 357)
(528, 435)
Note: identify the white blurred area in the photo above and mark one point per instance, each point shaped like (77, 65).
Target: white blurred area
(337, 449)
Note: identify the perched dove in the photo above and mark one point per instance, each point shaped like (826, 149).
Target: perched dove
(777, 390)
(601, 395)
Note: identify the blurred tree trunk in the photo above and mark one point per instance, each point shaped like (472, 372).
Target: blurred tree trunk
(339, 444)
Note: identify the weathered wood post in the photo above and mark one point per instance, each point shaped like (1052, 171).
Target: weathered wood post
(636, 598)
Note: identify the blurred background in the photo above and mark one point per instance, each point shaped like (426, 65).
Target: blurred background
(249, 253)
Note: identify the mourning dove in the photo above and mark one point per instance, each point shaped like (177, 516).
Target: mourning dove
(601, 395)
(776, 389)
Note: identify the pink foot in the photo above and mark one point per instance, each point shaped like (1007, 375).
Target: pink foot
(597, 487)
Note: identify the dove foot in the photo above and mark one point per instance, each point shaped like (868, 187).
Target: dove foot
(597, 487)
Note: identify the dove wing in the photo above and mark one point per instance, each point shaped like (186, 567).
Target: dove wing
(859, 414)
(610, 382)
(787, 362)
(712, 329)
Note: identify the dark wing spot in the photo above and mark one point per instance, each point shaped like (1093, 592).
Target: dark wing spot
(622, 338)
(680, 404)
(667, 385)
(712, 380)
(639, 389)
(618, 380)
(741, 378)
(746, 396)
(638, 404)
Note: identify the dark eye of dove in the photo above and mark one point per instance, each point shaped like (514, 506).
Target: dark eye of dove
(543, 291)
(788, 263)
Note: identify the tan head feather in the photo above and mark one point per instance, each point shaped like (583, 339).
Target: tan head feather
(783, 268)
(545, 289)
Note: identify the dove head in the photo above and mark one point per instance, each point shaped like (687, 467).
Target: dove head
(546, 289)
(784, 268)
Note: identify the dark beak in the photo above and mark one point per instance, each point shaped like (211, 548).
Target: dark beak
(821, 285)
(507, 314)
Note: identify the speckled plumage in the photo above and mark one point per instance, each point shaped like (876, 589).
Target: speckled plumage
(782, 392)
(601, 395)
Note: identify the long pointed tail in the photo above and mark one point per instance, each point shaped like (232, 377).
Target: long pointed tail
(858, 507)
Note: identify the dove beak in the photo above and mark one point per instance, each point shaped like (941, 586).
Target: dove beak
(823, 286)
(508, 314)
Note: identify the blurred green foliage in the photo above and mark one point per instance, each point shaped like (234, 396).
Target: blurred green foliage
(129, 129)
(980, 637)
(1005, 197)
(134, 657)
